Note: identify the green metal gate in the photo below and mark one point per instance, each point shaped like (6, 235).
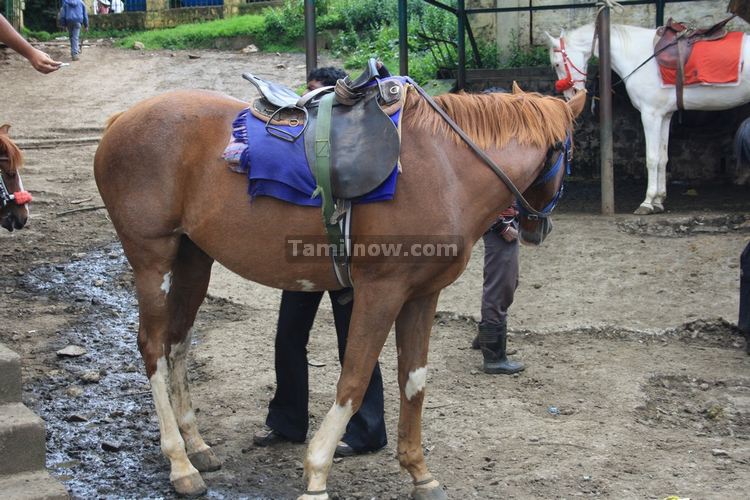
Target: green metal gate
(14, 13)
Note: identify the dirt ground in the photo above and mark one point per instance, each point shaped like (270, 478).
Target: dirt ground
(637, 384)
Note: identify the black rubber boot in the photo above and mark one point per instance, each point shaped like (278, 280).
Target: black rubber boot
(493, 340)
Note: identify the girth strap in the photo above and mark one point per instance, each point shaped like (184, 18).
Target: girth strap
(322, 171)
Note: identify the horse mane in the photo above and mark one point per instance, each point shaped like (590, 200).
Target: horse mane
(15, 156)
(493, 120)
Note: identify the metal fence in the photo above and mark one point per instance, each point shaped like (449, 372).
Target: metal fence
(13, 13)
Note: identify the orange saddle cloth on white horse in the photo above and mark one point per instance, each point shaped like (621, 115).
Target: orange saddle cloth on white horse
(716, 62)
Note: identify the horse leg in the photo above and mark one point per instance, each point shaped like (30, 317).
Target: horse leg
(413, 327)
(652, 123)
(661, 186)
(191, 272)
(152, 262)
(375, 309)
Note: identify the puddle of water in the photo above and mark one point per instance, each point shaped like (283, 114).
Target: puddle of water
(117, 409)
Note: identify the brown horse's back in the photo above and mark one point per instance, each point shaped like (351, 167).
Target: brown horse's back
(161, 175)
(146, 151)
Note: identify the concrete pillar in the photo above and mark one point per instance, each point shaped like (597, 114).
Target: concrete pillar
(232, 7)
(154, 16)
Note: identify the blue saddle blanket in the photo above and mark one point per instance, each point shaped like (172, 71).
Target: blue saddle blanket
(279, 168)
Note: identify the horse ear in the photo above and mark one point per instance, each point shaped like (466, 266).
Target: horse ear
(577, 102)
(551, 40)
(4, 129)
(515, 89)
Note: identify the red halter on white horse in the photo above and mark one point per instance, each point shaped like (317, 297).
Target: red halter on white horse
(568, 82)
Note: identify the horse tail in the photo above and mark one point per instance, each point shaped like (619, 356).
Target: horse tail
(112, 119)
(742, 144)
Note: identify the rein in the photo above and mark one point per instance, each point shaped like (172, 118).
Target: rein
(20, 198)
(529, 211)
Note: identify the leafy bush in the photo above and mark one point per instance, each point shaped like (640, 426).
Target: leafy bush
(284, 25)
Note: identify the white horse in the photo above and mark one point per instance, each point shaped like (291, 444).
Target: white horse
(631, 46)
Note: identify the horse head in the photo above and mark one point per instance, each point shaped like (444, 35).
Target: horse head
(14, 211)
(545, 191)
(569, 56)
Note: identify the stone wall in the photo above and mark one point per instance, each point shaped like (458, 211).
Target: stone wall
(508, 27)
(700, 146)
(159, 15)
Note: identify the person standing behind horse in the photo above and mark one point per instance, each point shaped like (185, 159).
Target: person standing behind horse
(499, 287)
(73, 16)
(41, 62)
(288, 416)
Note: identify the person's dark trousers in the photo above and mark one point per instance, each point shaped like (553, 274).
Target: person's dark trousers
(500, 277)
(288, 410)
(744, 319)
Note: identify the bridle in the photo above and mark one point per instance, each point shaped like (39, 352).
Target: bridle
(523, 205)
(568, 82)
(549, 173)
(19, 198)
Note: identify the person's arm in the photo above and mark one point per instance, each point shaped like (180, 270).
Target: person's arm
(85, 16)
(10, 37)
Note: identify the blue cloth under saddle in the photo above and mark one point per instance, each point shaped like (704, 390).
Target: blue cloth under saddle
(279, 168)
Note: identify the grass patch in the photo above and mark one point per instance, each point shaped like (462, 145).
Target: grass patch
(197, 36)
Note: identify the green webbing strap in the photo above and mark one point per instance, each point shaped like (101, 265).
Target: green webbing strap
(322, 171)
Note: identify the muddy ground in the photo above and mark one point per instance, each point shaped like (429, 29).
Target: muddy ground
(637, 383)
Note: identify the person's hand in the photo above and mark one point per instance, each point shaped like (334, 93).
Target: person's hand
(510, 234)
(42, 62)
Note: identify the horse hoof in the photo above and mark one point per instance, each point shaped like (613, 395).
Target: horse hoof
(205, 460)
(658, 208)
(644, 210)
(191, 485)
(435, 493)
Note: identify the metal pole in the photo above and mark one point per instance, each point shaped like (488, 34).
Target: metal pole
(660, 12)
(461, 48)
(311, 47)
(403, 39)
(605, 116)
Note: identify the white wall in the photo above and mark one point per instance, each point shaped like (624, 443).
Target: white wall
(505, 25)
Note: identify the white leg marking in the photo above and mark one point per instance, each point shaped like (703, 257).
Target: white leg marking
(307, 285)
(323, 445)
(180, 392)
(166, 284)
(172, 444)
(416, 382)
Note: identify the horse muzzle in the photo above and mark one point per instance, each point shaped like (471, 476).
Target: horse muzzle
(12, 220)
(536, 236)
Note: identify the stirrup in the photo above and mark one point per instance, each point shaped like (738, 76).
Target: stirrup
(280, 132)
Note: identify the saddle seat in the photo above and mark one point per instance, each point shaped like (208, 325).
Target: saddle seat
(674, 44)
(675, 41)
(364, 143)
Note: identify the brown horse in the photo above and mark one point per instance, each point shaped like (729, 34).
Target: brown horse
(14, 211)
(177, 208)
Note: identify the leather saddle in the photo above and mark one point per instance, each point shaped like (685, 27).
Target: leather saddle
(675, 42)
(364, 142)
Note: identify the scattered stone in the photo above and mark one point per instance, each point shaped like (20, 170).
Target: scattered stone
(71, 351)
(718, 452)
(281, 66)
(90, 376)
(533, 439)
(250, 49)
(139, 46)
(74, 391)
(76, 417)
(704, 386)
(193, 56)
(111, 446)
